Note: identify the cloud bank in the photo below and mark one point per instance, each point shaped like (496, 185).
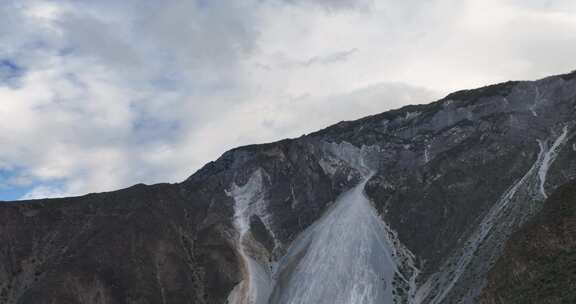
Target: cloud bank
(99, 95)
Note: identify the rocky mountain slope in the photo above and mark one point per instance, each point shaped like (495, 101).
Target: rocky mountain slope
(408, 206)
(539, 262)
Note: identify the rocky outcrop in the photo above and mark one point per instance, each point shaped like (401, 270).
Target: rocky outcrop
(449, 182)
(539, 262)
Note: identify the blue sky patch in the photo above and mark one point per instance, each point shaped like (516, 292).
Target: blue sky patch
(13, 193)
(10, 72)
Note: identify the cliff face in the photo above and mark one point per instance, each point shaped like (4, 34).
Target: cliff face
(438, 189)
(539, 262)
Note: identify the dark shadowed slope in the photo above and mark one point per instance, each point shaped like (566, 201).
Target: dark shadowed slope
(144, 244)
(539, 262)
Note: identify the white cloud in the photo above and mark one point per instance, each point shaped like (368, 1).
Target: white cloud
(44, 192)
(105, 94)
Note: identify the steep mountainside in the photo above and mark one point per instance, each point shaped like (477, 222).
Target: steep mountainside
(409, 206)
(539, 262)
(144, 244)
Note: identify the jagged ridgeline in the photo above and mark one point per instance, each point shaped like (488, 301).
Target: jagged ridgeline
(413, 205)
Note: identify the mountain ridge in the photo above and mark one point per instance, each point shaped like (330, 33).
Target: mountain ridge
(491, 89)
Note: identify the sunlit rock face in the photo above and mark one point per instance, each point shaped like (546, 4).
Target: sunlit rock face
(408, 206)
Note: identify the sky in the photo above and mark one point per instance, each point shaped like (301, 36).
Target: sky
(101, 95)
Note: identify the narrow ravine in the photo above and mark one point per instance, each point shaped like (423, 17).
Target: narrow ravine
(257, 284)
(344, 258)
(549, 157)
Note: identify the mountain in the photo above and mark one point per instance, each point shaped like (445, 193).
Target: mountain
(539, 262)
(413, 205)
